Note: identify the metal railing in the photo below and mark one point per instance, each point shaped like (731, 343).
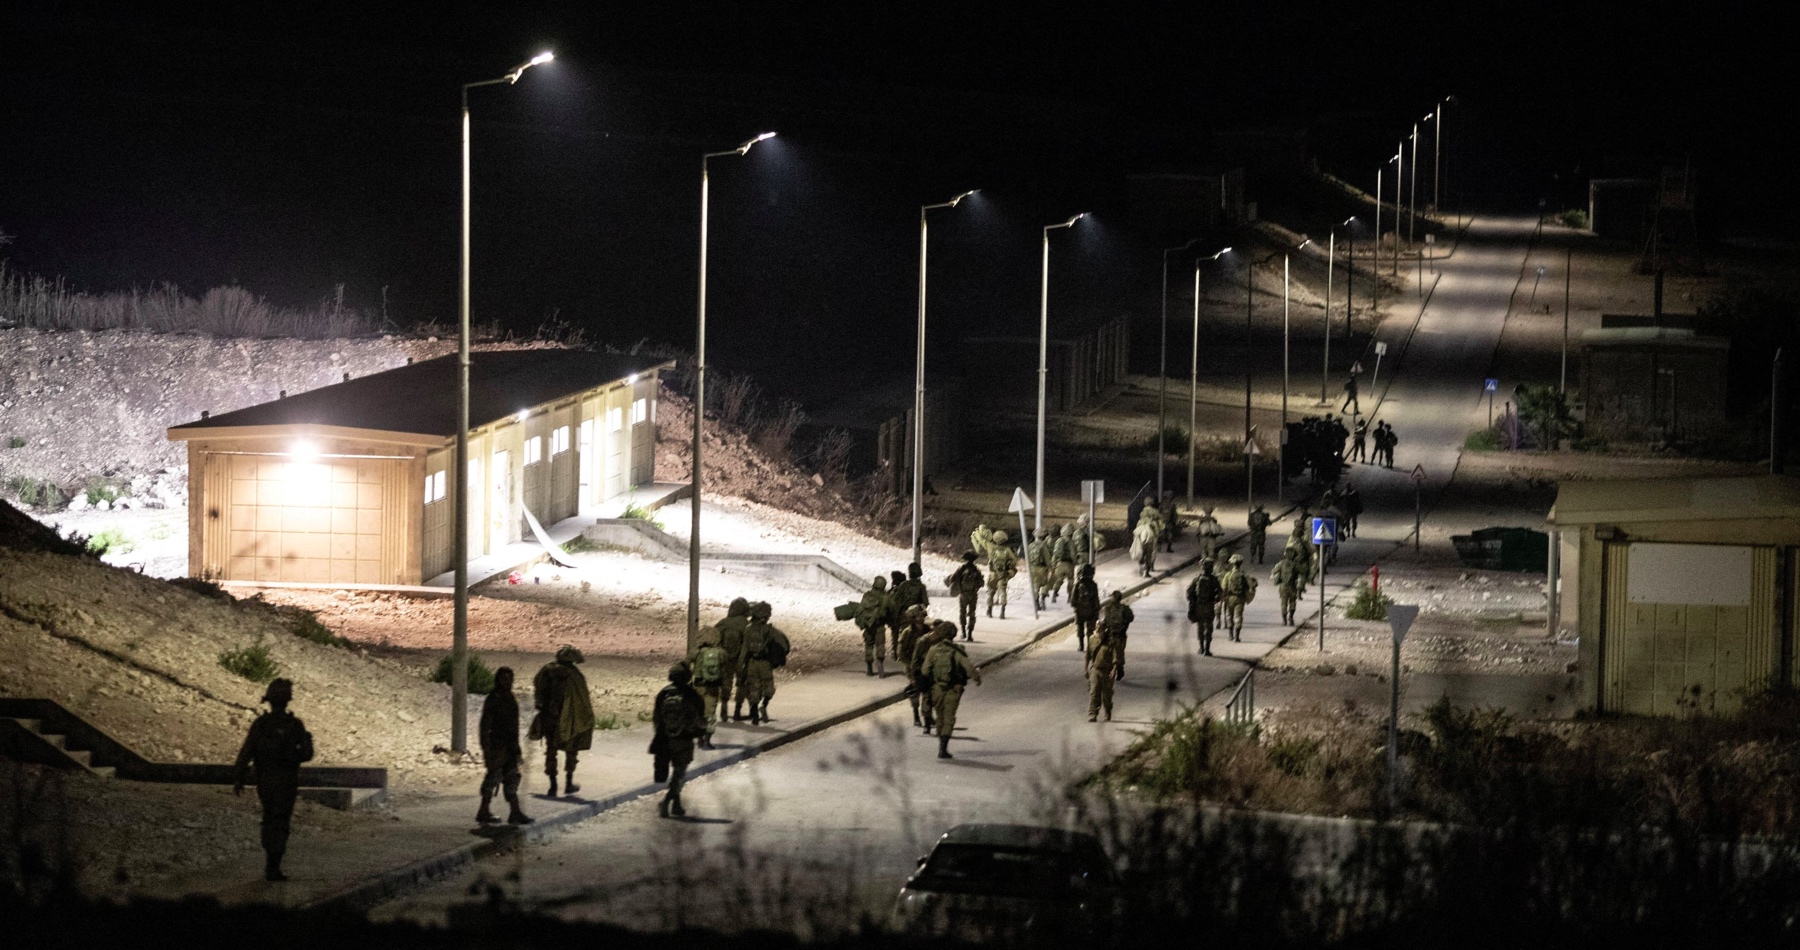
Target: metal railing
(1240, 710)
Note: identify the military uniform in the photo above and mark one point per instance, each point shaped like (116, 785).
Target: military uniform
(678, 714)
(1037, 556)
(1259, 522)
(708, 665)
(913, 631)
(1062, 562)
(1210, 531)
(763, 645)
(565, 715)
(872, 615)
(1103, 668)
(271, 756)
(1237, 590)
(1203, 602)
(947, 666)
(1115, 624)
(1078, 541)
(1085, 598)
(1003, 563)
(908, 593)
(1144, 539)
(731, 640)
(966, 583)
(501, 756)
(982, 540)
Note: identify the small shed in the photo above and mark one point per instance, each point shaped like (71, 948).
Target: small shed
(1683, 589)
(1646, 383)
(349, 484)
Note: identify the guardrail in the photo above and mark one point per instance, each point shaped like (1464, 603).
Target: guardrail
(1240, 710)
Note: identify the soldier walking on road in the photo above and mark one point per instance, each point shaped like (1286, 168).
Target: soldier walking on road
(1209, 530)
(1351, 405)
(966, 583)
(1085, 598)
(913, 630)
(907, 593)
(565, 715)
(872, 617)
(1003, 563)
(948, 667)
(765, 651)
(1289, 580)
(1104, 663)
(679, 716)
(1062, 562)
(273, 752)
(1203, 603)
(708, 665)
(1115, 624)
(1259, 532)
(1037, 557)
(1359, 448)
(1352, 505)
(731, 641)
(500, 752)
(941, 631)
(1238, 589)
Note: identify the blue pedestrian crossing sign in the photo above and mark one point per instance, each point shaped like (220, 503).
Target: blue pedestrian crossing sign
(1324, 530)
(1493, 385)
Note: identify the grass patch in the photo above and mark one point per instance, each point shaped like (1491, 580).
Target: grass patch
(581, 544)
(252, 663)
(16, 442)
(1575, 218)
(34, 492)
(1175, 441)
(609, 722)
(32, 301)
(109, 541)
(204, 587)
(481, 679)
(1482, 440)
(99, 489)
(1368, 605)
(305, 624)
(638, 512)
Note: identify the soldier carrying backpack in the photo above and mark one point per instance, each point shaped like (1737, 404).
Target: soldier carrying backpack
(708, 665)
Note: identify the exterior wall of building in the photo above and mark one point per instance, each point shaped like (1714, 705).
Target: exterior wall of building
(1637, 394)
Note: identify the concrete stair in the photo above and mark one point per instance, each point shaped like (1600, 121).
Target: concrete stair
(35, 744)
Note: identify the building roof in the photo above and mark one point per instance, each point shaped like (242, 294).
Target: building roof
(421, 398)
(1627, 500)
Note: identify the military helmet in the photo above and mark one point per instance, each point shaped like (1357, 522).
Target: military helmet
(913, 570)
(1116, 596)
(916, 610)
(969, 556)
(1087, 572)
(1205, 566)
(880, 582)
(568, 654)
(1001, 537)
(944, 628)
(761, 610)
(679, 674)
(739, 608)
(1237, 559)
(708, 635)
(281, 689)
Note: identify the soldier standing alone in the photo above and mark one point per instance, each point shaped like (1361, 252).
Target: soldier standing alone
(1103, 665)
(1062, 562)
(1085, 598)
(271, 757)
(872, 617)
(966, 583)
(1259, 532)
(500, 752)
(1203, 602)
(947, 666)
(565, 715)
(1288, 579)
(1238, 589)
(679, 716)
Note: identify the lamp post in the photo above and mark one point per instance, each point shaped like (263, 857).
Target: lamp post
(1436, 117)
(1250, 430)
(1286, 322)
(918, 497)
(1162, 392)
(459, 636)
(1412, 217)
(1330, 272)
(1044, 368)
(1194, 374)
(1399, 200)
(693, 606)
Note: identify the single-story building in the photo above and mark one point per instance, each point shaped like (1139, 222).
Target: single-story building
(349, 484)
(1684, 589)
(1643, 383)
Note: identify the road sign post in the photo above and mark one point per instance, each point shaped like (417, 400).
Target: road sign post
(1400, 620)
(1418, 480)
(1250, 454)
(1021, 504)
(1324, 532)
(1491, 387)
(1093, 492)
(1375, 381)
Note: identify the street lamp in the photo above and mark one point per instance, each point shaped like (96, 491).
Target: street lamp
(918, 498)
(1330, 270)
(693, 607)
(1399, 199)
(1250, 430)
(1194, 374)
(459, 637)
(1286, 314)
(1044, 366)
(1162, 393)
(1436, 116)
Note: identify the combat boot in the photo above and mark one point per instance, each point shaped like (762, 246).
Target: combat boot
(552, 791)
(485, 816)
(880, 667)
(991, 609)
(662, 808)
(755, 719)
(272, 867)
(944, 748)
(517, 816)
(676, 809)
(869, 667)
(765, 712)
(569, 786)
(737, 714)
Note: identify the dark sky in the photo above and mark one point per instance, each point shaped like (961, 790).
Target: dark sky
(292, 148)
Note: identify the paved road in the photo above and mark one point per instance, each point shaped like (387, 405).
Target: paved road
(842, 816)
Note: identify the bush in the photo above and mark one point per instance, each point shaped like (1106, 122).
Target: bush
(1175, 441)
(34, 492)
(102, 489)
(305, 624)
(252, 663)
(609, 722)
(581, 543)
(16, 442)
(481, 679)
(110, 541)
(203, 587)
(1483, 440)
(1575, 218)
(33, 301)
(1368, 605)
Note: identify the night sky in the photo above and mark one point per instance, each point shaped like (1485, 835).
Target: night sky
(292, 148)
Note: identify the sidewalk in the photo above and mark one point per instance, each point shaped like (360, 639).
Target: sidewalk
(424, 838)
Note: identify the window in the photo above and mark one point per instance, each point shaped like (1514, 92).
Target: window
(640, 411)
(534, 450)
(559, 440)
(434, 487)
(615, 419)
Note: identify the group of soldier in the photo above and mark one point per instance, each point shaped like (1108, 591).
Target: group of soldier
(896, 625)
(1050, 559)
(1318, 444)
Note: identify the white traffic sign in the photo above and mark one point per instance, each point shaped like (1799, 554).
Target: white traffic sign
(1380, 348)
(1020, 503)
(1430, 239)
(1093, 491)
(1251, 448)
(1418, 473)
(1400, 619)
(1324, 531)
(1356, 368)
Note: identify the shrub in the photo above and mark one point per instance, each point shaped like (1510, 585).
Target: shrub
(1175, 441)
(581, 543)
(609, 722)
(33, 301)
(637, 512)
(101, 489)
(305, 624)
(203, 587)
(1368, 605)
(34, 492)
(1575, 218)
(1546, 410)
(109, 541)
(1483, 440)
(252, 663)
(481, 679)
(16, 442)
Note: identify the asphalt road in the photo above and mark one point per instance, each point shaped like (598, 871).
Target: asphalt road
(814, 835)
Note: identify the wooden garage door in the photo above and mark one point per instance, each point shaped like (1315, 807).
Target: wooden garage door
(1689, 628)
(309, 522)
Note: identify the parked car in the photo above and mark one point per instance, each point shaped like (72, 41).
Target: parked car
(1002, 883)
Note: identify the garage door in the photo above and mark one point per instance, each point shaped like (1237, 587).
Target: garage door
(1690, 628)
(308, 522)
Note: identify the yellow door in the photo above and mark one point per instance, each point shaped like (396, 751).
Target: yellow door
(308, 521)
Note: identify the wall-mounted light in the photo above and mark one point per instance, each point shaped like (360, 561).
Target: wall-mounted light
(523, 415)
(303, 451)
(632, 378)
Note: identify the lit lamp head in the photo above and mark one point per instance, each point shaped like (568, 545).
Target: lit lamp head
(958, 199)
(741, 149)
(519, 70)
(523, 415)
(303, 451)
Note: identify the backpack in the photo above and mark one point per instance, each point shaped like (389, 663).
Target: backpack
(778, 651)
(709, 665)
(671, 714)
(1249, 588)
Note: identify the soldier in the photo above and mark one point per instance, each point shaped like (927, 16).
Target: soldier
(913, 630)
(1062, 562)
(1350, 403)
(1003, 563)
(1078, 541)
(982, 540)
(947, 666)
(1238, 589)
(679, 717)
(907, 593)
(1259, 532)
(1288, 581)
(1352, 505)
(872, 619)
(1144, 539)
(1115, 624)
(765, 651)
(1037, 558)
(1359, 442)
(966, 583)
(1171, 521)
(731, 641)
(1209, 530)
(1203, 602)
(500, 752)
(565, 715)
(1085, 598)
(708, 665)
(1103, 667)
(271, 757)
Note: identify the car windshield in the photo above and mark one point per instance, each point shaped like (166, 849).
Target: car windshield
(1003, 870)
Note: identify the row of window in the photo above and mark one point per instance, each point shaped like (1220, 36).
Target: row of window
(534, 446)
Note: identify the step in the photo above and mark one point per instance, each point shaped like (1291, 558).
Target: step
(344, 799)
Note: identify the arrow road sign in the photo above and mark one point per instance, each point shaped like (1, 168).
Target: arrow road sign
(1400, 618)
(1356, 370)
(1418, 473)
(1020, 504)
(1251, 448)
(1324, 530)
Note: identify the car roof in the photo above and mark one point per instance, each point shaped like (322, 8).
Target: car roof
(1020, 836)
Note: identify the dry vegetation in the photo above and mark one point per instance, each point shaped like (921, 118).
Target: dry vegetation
(49, 304)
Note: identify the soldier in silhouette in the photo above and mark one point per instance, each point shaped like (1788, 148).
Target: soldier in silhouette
(273, 751)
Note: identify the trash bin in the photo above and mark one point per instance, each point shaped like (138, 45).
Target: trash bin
(1504, 549)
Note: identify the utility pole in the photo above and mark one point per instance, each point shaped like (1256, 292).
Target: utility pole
(1568, 271)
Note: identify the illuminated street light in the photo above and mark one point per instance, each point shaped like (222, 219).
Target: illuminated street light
(1330, 271)
(1162, 392)
(1250, 430)
(1044, 366)
(459, 638)
(918, 497)
(1412, 219)
(1194, 374)
(693, 606)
